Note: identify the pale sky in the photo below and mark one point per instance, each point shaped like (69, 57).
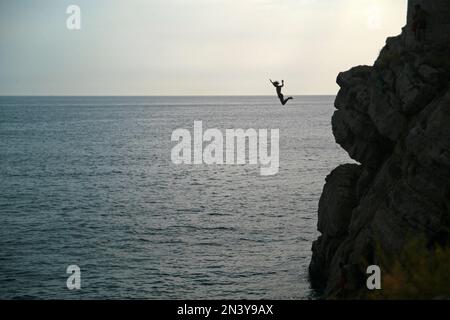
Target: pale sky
(189, 47)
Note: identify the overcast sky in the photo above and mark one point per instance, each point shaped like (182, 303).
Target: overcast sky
(189, 47)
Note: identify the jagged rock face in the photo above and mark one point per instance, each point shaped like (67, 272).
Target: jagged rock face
(336, 205)
(394, 119)
(438, 30)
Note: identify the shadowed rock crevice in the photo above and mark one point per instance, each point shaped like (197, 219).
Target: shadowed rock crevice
(394, 119)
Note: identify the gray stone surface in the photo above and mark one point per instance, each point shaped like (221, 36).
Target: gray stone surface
(394, 119)
(438, 22)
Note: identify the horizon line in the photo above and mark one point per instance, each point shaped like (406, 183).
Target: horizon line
(156, 95)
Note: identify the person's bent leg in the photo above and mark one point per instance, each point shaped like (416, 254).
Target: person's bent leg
(286, 101)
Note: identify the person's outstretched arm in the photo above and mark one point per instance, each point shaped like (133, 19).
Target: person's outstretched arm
(282, 83)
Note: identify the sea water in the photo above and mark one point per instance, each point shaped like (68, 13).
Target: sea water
(89, 181)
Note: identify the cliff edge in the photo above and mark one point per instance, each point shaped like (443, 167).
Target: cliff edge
(394, 119)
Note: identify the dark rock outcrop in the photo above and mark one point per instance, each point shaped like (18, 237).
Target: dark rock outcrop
(394, 119)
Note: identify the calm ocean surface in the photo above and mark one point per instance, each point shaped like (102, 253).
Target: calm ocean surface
(89, 181)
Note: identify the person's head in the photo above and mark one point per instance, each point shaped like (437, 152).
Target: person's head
(276, 83)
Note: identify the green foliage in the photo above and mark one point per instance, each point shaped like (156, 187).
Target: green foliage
(418, 273)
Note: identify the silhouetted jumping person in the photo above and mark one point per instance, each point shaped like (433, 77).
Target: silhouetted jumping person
(277, 85)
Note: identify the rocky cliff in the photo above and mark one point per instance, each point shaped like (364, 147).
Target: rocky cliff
(394, 119)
